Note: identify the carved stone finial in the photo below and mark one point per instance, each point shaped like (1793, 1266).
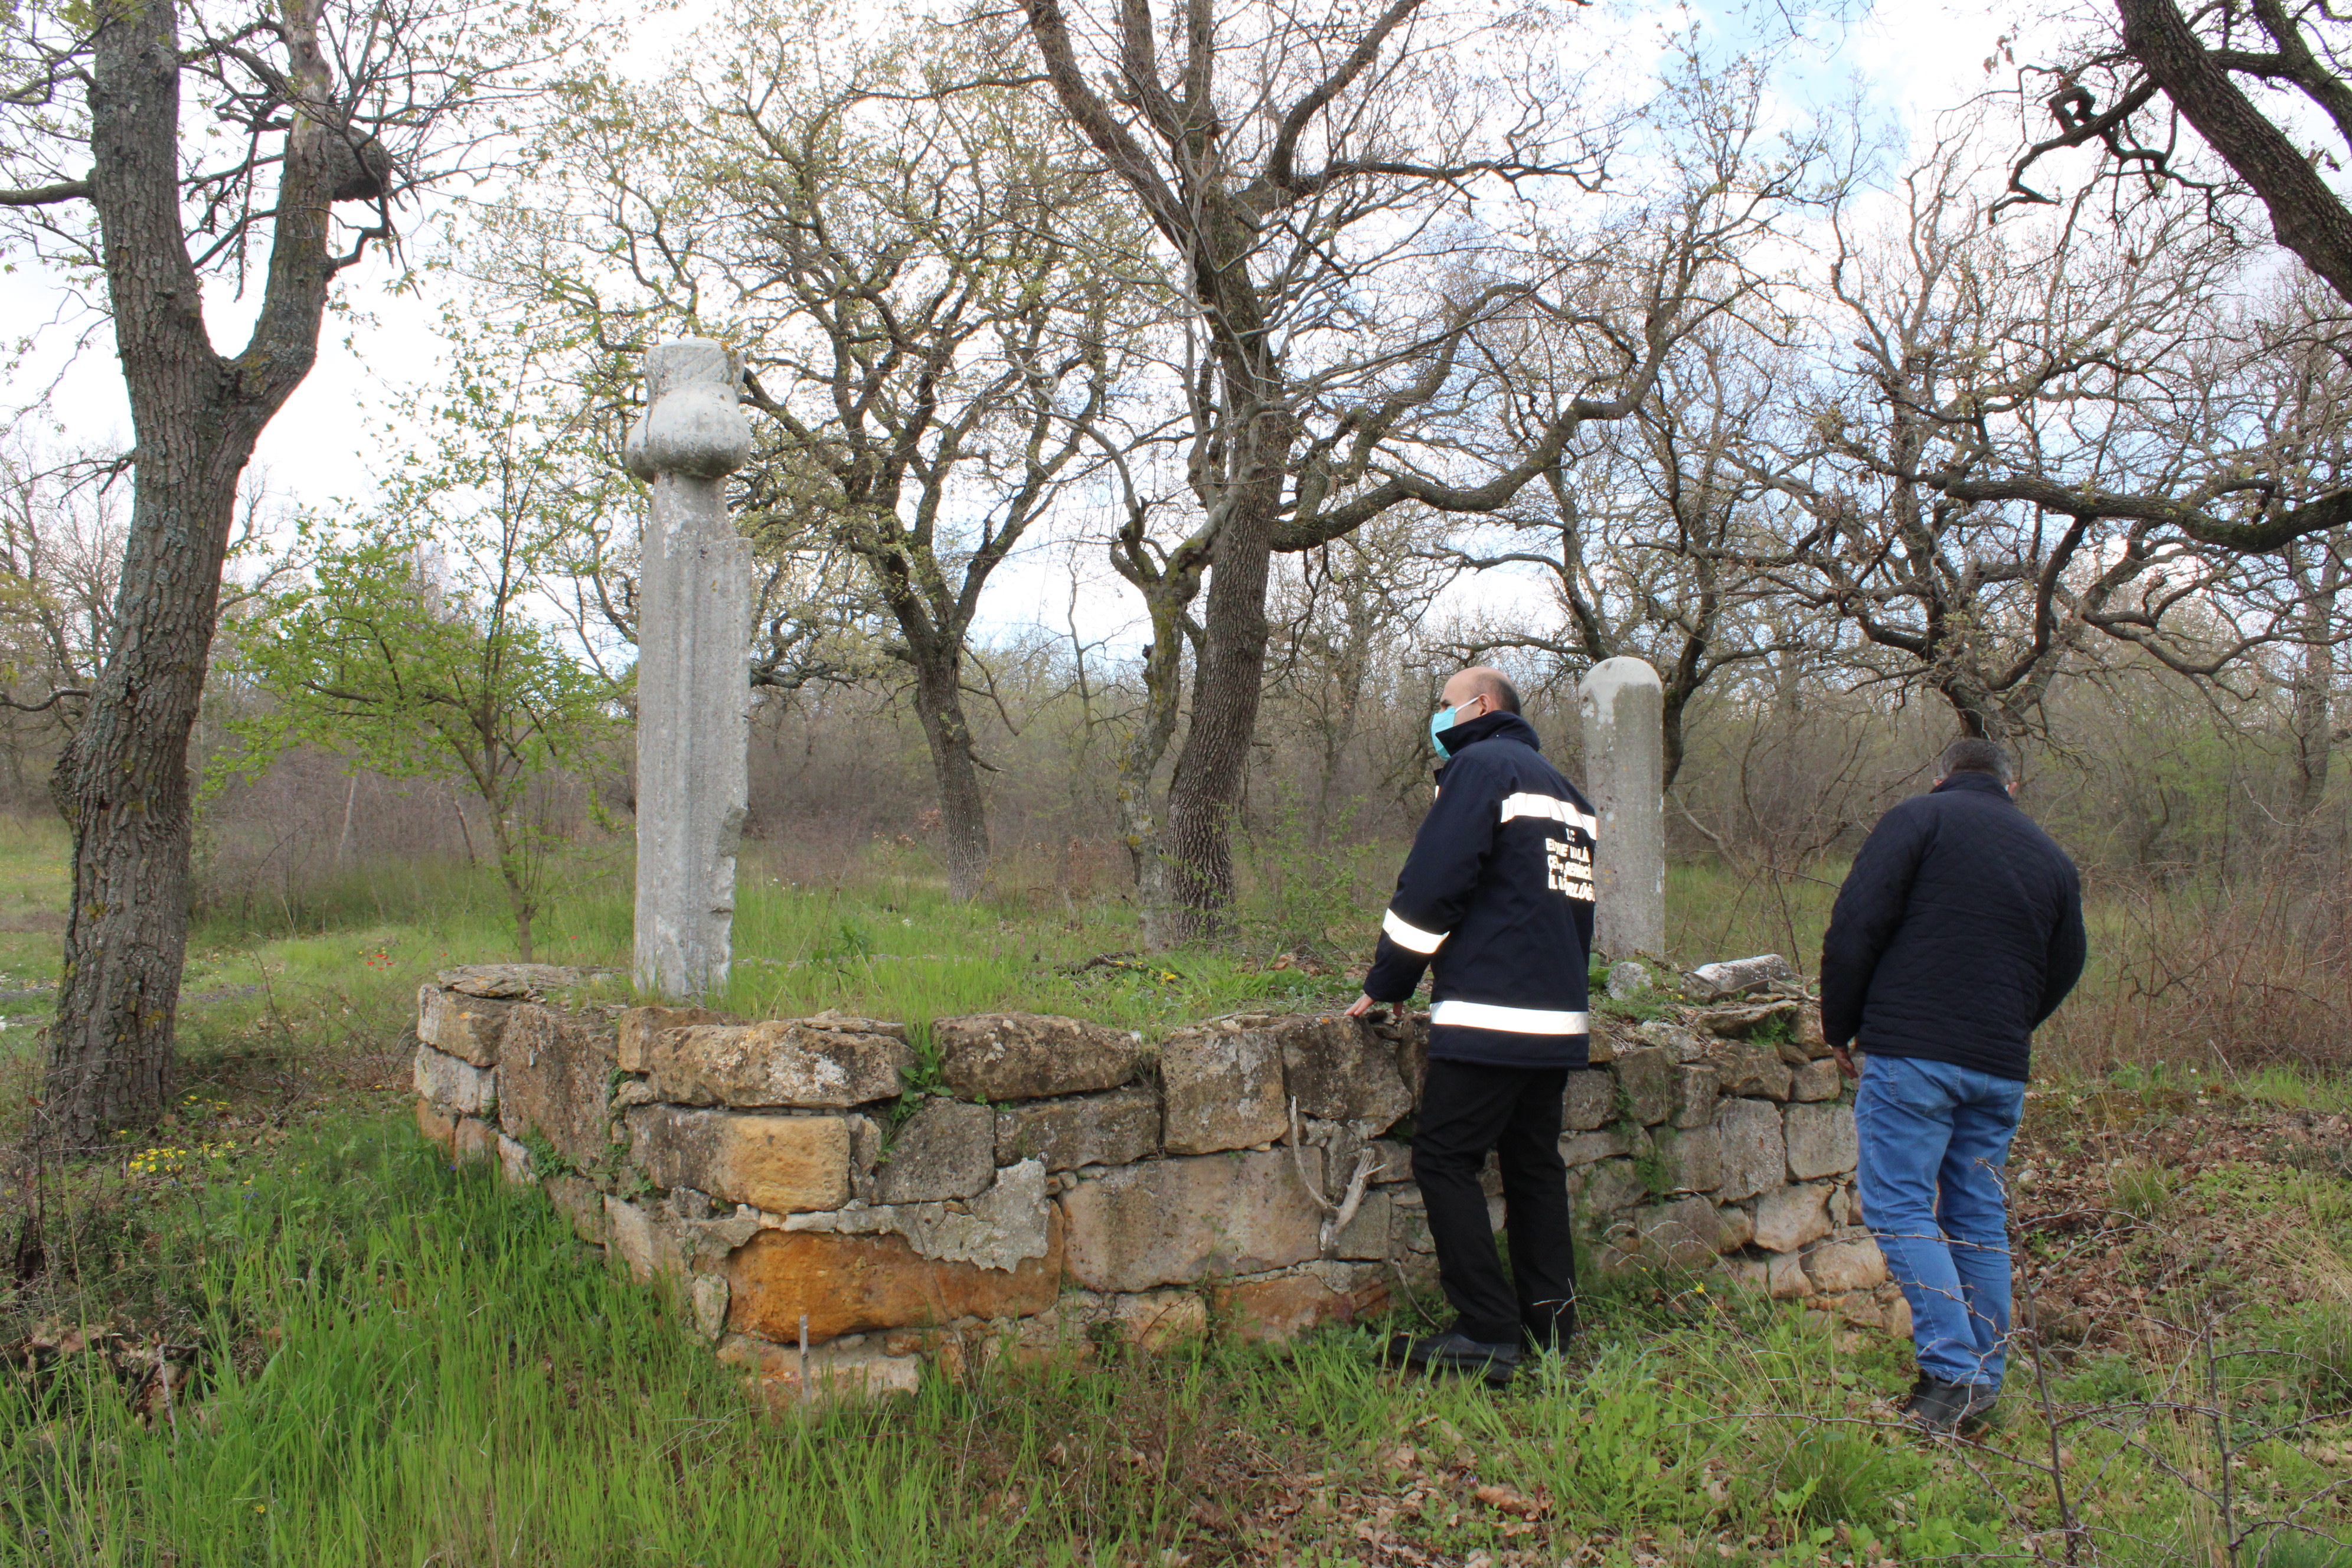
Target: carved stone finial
(693, 423)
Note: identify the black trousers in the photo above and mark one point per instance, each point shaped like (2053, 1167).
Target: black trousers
(1466, 1110)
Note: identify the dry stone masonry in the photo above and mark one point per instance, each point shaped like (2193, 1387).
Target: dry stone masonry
(1021, 1182)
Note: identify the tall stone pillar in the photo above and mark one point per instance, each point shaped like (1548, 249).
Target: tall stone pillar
(1624, 704)
(694, 626)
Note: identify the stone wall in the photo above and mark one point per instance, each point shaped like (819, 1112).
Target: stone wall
(1026, 1180)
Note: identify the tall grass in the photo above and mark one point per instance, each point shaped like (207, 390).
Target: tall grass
(397, 1363)
(405, 1364)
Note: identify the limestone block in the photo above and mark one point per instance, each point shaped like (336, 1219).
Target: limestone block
(1627, 978)
(514, 1164)
(581, 1204)
(1691, 1160)
(1752, 1070)
(946, 1150)
(1784, 1277)
(785, 1062)
(1750, 1273)
(1600, 1042)
(1739, 976)
(1822, 1141)
(555, 1075)
(1275, 1307)
(1682, 1233)
(850, 1284)
(1391, 1160)
(437, 1126)
(1648, 1077)
(1410, 1030)
(1610, 1189)
(1695, 1093)
(1735, 1228)
(1755, 1157)
(455, 1085)
(867, 1136)
(1339, 1069)
(1895, 1310)
(858, 1370)
(475, 1141)
(1409, 1225)
(1170, 1222)
(999, 1057)
(1620, 1252)
(517, 981)
(1590, 1103)
(1684, 1045)
(1859, 1307)
(703, 1244)
(1846, 1266)
(1113, 1128)
(1792, 1056)
(1002, 1227)
(1816, 1080)
(1584, 1147)
(635, 1030)
(1155, 1320)
(467, 1027)
(783, 1164)
(709, 1305)
(644, 1240)
(1791, 1218)
(1742, 1020)
(1220, 1087)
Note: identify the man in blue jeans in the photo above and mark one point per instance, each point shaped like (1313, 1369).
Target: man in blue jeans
(1957, 932)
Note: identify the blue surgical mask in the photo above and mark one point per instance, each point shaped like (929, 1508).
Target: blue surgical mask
(1439, 722)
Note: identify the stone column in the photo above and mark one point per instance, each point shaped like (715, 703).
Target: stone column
(694, 694)
(1624, 772)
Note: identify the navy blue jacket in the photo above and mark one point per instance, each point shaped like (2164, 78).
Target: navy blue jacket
(1957, 932)
(1496, 900)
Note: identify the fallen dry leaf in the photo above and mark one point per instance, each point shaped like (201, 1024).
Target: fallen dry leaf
(1509, 1500)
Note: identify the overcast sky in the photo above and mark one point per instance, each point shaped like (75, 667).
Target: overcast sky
(1908, 60)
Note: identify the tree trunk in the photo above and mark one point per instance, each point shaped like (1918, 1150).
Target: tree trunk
(123, 782)
(2311, 717)
(1206, 785)
(963, 814)
(1139, 762)
(2307, 215)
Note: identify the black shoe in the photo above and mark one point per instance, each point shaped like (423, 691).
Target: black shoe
(1454, 1351)
(1941, 1408)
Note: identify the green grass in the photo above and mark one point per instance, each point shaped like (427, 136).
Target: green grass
(404, 1364)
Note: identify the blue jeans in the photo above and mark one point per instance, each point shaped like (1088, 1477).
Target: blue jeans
(1934, 1139)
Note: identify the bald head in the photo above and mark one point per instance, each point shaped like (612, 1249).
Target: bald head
(1482, 680)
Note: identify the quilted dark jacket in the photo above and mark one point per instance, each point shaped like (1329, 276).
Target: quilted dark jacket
(1957, 932)
(1496, 900)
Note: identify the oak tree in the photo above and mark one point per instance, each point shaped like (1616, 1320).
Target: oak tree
(156, 150)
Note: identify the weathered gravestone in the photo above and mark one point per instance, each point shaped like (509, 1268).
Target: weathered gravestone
(1624, 770)
(694, 618)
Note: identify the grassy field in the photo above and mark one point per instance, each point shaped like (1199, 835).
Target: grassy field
(280, 1331)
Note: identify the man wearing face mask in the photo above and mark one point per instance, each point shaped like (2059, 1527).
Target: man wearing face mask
(1495, 899)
